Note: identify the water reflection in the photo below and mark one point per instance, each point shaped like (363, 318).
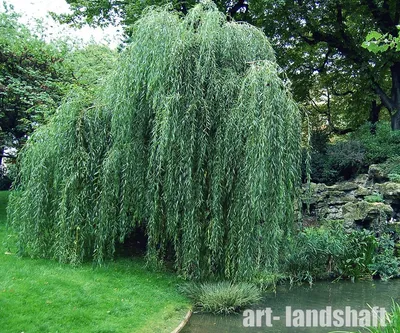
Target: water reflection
(359, 295)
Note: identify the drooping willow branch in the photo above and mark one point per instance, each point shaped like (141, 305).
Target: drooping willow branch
(194, 137)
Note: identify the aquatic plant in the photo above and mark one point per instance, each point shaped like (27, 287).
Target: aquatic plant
(221, 297)
(385, 263)
(392, 322)
(331, 251)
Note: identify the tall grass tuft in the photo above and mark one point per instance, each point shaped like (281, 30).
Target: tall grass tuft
(392, 323)
(222, 297)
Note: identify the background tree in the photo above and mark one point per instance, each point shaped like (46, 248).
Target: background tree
(194, 137)
(327, 37)
(316, 42)
(89, 66)
(126, 13)
(35, 75)
(33, 81)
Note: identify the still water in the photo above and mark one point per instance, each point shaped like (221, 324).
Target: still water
(359, 295)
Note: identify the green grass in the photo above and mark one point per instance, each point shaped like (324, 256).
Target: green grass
(38, 295)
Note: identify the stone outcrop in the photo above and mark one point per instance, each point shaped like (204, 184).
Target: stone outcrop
(369, 201)
(366, 214)
(377, 174)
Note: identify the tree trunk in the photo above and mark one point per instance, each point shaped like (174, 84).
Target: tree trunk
(392, 103)
(395, 112)
(396, 121)
(1, 155)
(374, 115)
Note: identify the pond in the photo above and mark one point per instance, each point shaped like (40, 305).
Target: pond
(338, 296)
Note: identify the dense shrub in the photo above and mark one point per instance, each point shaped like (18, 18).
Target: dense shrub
(340, 161)
(359, 254)
(381, 146)
(385, 263)
(346, 158)
(394, 177)
(268, 281)
(319, 140)
(311, 253)
(320, 172)
(374, 198)
(330, 251)
(392, 165)
(222, 297)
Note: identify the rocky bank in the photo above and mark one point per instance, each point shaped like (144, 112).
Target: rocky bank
(369, 201)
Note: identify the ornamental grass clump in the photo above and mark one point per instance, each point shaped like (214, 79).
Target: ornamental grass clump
(194, 137)
(222, 297)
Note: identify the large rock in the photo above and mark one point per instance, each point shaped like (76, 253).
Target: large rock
(377, 174)
(363, 192)
(362, 180)
(366, 213)
(314, 194)
(347, 200)
(338, 198)
(389, 190)
(343, 186)
(332, 212)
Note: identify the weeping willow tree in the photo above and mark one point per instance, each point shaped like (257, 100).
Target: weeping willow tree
(194, 137)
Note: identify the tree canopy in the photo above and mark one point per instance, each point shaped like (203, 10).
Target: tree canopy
(323, 40)
(319, 44)
(36, 74)
(33, 80)
(194, 137)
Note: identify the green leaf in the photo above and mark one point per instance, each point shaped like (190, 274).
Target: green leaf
(373, 35)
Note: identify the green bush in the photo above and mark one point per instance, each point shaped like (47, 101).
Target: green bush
(222, 297)
(392, 165)
(320, 169)
(394, 177)
(381, 146)
(346, 157)
(341, 161)
(359, 254)
(385, 263)
(329, 251)
(267, 280)
(319, 140)
(311, 254)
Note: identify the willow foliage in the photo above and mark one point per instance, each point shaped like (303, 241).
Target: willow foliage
(194, 136)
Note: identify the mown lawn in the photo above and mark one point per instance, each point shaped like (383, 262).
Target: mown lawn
(45, 296)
